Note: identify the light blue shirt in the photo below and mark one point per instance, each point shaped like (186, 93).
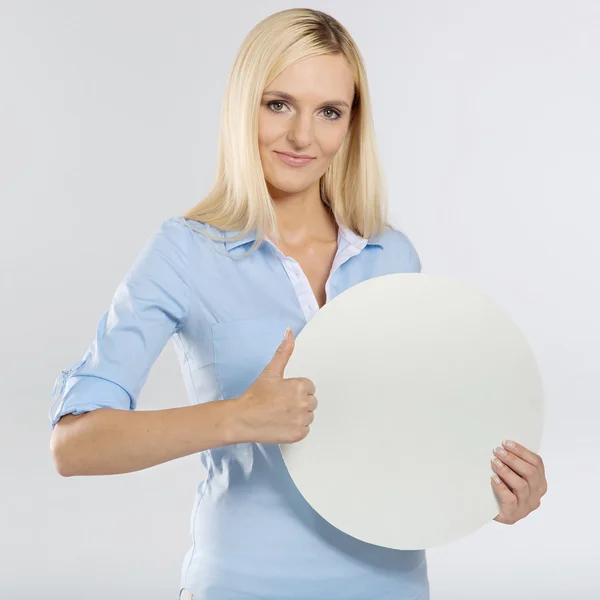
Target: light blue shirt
(253, 536)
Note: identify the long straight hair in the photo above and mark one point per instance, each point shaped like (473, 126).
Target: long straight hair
(352, 187)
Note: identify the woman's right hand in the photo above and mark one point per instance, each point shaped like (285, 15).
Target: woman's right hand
(274, 410)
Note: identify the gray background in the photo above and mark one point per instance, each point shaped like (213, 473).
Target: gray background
(488, 126)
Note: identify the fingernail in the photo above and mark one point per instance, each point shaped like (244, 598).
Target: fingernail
(509, 444)
(285, 335)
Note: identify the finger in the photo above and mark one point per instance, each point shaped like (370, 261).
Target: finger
(282, 356)
(524, 469)
(525, 454)
(307, 385)
(516, 484)
(508, 501)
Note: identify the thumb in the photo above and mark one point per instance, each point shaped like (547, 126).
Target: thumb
(282, 355)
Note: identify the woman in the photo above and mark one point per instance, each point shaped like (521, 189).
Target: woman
(275, 239)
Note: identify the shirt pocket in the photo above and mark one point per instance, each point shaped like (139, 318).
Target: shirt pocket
(242, 349)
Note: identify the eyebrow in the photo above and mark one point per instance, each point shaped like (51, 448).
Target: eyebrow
(291, 98)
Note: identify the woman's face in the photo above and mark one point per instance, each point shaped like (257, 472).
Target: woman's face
(304, 110)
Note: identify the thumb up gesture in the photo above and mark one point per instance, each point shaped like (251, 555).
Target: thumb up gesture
(274, 410)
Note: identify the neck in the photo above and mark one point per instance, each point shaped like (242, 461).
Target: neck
(302, 217)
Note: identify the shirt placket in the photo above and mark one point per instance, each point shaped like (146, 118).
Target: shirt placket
(300, 282)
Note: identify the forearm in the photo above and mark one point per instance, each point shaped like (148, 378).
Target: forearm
(109, 441)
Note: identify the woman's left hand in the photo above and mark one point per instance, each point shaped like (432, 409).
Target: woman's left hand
(522, 482)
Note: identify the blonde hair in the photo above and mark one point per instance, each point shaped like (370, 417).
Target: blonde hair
(352, 187)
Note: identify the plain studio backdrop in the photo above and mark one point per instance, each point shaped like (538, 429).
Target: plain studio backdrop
(489, 131)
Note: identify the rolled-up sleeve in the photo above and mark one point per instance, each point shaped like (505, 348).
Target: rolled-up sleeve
(150, 304)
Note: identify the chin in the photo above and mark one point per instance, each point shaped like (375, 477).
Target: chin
(292, 187)
(290, 184)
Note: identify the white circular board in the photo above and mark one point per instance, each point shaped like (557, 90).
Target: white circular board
(418, 378)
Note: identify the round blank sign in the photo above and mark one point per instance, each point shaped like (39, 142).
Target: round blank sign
(418, 378)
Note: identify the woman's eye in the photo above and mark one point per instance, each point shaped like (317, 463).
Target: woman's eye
(335, 112)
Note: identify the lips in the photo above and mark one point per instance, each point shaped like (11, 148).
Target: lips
(291, 161)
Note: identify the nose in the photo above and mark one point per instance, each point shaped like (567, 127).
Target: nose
(300, 133)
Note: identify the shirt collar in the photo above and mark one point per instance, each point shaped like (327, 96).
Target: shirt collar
(352, 238)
